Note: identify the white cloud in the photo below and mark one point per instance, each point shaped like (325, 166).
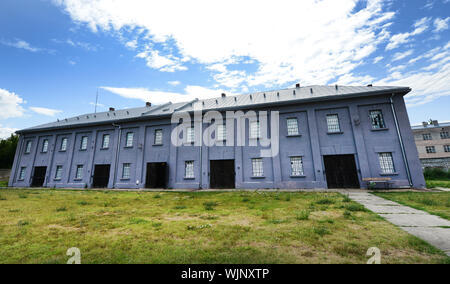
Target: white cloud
(10, 104)
(396, 40)
(6, 132)
(174, 83)
(401, 55)
(166, 63)
(71, 62)
(441, 24)
(377, 59)
(45, 111)
(21, 44)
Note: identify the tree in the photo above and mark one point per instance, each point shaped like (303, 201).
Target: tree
(7, 151)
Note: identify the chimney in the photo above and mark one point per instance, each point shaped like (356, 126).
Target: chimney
(370, 85)
(425, 124)
(223, 95)
(112, 109)
(148, 104)
(435, 122)
(297, 85)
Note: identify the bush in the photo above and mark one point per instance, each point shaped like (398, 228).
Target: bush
(325, 201)
(303, 215)
(436, 174)
(355, 207)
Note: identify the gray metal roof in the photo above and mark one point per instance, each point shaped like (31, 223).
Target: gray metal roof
(430, 126)
(285, 96)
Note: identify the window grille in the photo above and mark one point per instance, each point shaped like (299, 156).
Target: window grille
(376, 117)
(333, 123)
(386, 163)
(257, 167)
(292, 126)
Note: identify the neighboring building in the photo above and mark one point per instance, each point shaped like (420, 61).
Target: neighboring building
(433, 144)
(329, 137)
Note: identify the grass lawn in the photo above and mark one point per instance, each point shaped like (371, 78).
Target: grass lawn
(437, 203)
(3, 183)
(38, 226)
(438, 183)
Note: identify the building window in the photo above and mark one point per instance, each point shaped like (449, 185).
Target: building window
(377, 120)
(447, 148)
(64, 144)
(255, 130)
(105, 143)
(386, 163)
(84, 142)
(45, 146)
(22, 173)
(427, 136)
(79, 173)
(430, 149)
(221, 132)
(130, 137)
(189, 169)
(444, 135)
(58, 173)
(126, 171)
(28, 147)
(292, 126)
(190, 134)
(257, 167)
(333, 123)
(296, 166)
(158, 137)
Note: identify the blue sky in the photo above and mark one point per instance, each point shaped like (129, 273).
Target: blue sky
(55, 54)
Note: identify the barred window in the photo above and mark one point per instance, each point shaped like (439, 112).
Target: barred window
(158, 137)
(22, 173)
(447, 148)
(28, 147)
(255, 129)
(64, 144)
(386, 163)
(190, 134)
(79, 172)
(292, 126)
(58, 172)
(377, 120)
(45, 146)
(105, 143)
(130, 137)
(333, 123)
(189, 169)
(427, 136)
(257, 167)
(84, 142)
(221, 133)
(445, 135)
(430, 149)
(126, 171)
(296, 166)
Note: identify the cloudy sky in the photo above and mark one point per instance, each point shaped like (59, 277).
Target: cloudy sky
(56, 54)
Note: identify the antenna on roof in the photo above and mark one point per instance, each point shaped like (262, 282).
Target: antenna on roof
(96, 101)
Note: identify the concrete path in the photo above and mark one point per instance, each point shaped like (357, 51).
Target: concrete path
(443, 188)
(430, 228)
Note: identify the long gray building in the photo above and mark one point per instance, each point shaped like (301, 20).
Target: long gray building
(328, 137)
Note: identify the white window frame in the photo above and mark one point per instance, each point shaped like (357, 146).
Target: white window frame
(427, 136)
(45, 146)
(22, 173)
(84, 143)
(58, 172)
(444, 135)
(79, 172)
(189, 170)
(28, 147)
(190, 134)
(64, 142)
(297, 169)
(333, 123)
(106, 141)
(158, 139)
(255, 130)
(257, 167)
(377, 119)
(386, 161)
(126, 171)
(430, 149)
(292, 126)
(129, 139)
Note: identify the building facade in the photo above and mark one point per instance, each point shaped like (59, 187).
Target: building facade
(433, 144)
(328, 137)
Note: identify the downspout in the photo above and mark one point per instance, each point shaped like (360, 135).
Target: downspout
(117, 153)
(402, 146)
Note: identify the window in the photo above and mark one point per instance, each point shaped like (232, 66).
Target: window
(427, 136)
(130, 137)
(22, 173)
(190, 134)
(445, 135)
(296, 166)
(28, 147)
(79, 173)
(45, 146)
(64, 144)
(189, 169)
(257, 167)
(255, 130)
(292, 126)
(377, 120)
(58, 173)
(333, 123)
(386, 163)
(84, 142)
(105, 143)
(126, 171)
(447, 148)
(158, 137)
(221, 132)
(430, 149)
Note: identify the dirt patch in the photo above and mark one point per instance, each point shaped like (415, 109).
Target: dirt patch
(59, 227)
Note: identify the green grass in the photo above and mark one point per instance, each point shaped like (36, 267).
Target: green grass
(437, 203)
(3, 183)
(200, 227)
(438, 183)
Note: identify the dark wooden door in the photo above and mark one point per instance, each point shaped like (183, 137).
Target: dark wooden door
(39, 176)
(101, 176)
(341, 171)
(222, 174)
(157, 174)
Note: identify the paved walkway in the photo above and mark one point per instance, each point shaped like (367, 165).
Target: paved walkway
(433, 229)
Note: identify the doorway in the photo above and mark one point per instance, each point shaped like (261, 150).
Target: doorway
(157, 174)
(341, 171)
(101, 176)
(38, 176)
(222, 174)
